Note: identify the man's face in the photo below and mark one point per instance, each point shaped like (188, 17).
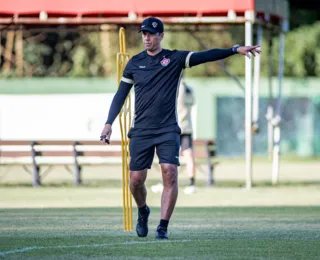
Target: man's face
(151, 41)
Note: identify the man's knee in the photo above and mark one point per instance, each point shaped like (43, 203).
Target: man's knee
(137, 178)
(169, 174)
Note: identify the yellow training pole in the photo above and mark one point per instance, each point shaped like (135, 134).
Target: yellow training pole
(125, 122)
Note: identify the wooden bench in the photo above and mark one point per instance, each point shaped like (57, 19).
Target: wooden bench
(39, 157)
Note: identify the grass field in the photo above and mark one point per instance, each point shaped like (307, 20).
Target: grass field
(195, 233)
(226, 221)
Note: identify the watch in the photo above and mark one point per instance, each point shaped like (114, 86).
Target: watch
(235, 48)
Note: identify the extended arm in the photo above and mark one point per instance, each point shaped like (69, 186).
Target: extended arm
(196, 58)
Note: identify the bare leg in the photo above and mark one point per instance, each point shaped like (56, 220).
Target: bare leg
(170, 189)
(139, 192)
(189, 155)
(137, 187)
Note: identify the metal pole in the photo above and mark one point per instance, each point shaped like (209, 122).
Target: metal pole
(248, 100)
(277, 119)
(256, 82)
(210, 167)
(36, 169)
(77, 168)
(270, 113)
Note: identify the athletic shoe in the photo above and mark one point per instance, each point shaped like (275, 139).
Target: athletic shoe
(161, 233)
(142, 225)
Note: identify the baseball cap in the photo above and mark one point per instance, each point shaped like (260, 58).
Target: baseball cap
(152, 24)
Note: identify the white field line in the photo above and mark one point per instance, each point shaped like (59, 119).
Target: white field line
(32, 248)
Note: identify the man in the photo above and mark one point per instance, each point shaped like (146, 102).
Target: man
(155, 74)
(185, 102)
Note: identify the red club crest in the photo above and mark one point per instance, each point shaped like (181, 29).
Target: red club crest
(165, 62)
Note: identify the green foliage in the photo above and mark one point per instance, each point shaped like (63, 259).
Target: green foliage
(86, 54)
(302, 51)
(302, 54)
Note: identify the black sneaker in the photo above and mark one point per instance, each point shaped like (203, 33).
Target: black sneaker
(142, 225)
(161, 233)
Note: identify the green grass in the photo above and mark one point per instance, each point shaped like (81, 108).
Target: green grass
(195, 233)
(226, 221)
(115, 183)
(264, 159)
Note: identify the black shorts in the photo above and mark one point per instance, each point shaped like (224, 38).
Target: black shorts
(186, 141)
(143, 148)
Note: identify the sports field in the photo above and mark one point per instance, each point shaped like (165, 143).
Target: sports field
(226, 221)
(195, 233)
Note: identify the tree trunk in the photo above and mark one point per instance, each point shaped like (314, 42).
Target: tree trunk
(106, 46)
(19, 53)
(8, 52)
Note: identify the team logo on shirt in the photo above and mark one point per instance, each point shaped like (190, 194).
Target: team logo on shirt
(165, 62)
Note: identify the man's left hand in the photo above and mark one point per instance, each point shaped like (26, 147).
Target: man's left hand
(248, 50)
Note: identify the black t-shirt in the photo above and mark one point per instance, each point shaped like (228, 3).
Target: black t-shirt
(156, 81)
